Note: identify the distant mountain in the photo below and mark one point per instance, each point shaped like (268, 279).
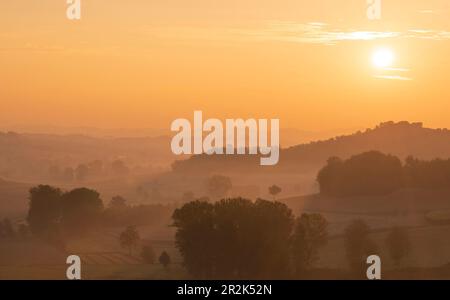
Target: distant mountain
(88, 131)
(401, 139)
(44, 157)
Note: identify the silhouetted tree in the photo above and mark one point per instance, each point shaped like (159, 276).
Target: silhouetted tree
(81, 209)
(274, 190)
(431, 174)
(129, 238)
(369, 173)
(310, 233)
(398, 244)
(328, 176)
(218, 186)
(45, 209)
(234, 238)
(148, 255)
(358, 246)
(195, 237)
(164, 259)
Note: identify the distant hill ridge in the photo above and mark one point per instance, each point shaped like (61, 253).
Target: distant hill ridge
(401, 139)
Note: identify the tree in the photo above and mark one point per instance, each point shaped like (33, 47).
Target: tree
(195, 237)
(44, 209)
(218, 186)
(398, 243)
(148, 255)
(310, 233)
(328, 176)
(269, 230)
(358, 246)
(118, 202)
(234, 238)
(164, 259)
(274, 190)
(129, 238)
(369, 173)
(81, 209)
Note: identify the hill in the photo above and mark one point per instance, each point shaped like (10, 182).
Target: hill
(63, 158)
(400, 139)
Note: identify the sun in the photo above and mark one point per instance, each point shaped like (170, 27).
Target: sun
(383, 58)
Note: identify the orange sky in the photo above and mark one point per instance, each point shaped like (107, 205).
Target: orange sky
(144, 63)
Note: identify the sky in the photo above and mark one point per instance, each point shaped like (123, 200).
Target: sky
(144, 63)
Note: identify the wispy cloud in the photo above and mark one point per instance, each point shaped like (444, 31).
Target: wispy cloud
(437, 35)
(394, 74)
(321, 33)
(308, 33)
(427, 11)
(393, 77)
(397, 69)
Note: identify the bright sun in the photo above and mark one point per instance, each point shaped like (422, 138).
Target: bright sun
(383, 58)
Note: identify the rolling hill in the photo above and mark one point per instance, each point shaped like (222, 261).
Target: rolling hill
(401, 139)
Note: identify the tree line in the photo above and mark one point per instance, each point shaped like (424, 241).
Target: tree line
(240, 239)
(237, 238)
(55, 214)
(374, 173)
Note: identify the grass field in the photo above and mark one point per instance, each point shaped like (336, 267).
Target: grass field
(34, 260)
(103, 258)
(100, 253)
(94, 272)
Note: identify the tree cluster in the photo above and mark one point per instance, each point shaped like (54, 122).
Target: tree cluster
(240, 239)
(374, 173)
(52, 211)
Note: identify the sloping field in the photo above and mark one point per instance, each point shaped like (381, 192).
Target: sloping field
(31, 252)
(400, 202)
(430, 248)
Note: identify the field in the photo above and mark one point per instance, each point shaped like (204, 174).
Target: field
(429, 249)
(100, 253)
(103, 257)
(429, 258)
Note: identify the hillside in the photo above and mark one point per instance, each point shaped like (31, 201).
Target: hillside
(400, 139)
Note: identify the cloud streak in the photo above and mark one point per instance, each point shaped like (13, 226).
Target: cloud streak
(321, 33)
(393, 77)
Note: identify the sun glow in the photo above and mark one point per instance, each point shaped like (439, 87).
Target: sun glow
(383, 58)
